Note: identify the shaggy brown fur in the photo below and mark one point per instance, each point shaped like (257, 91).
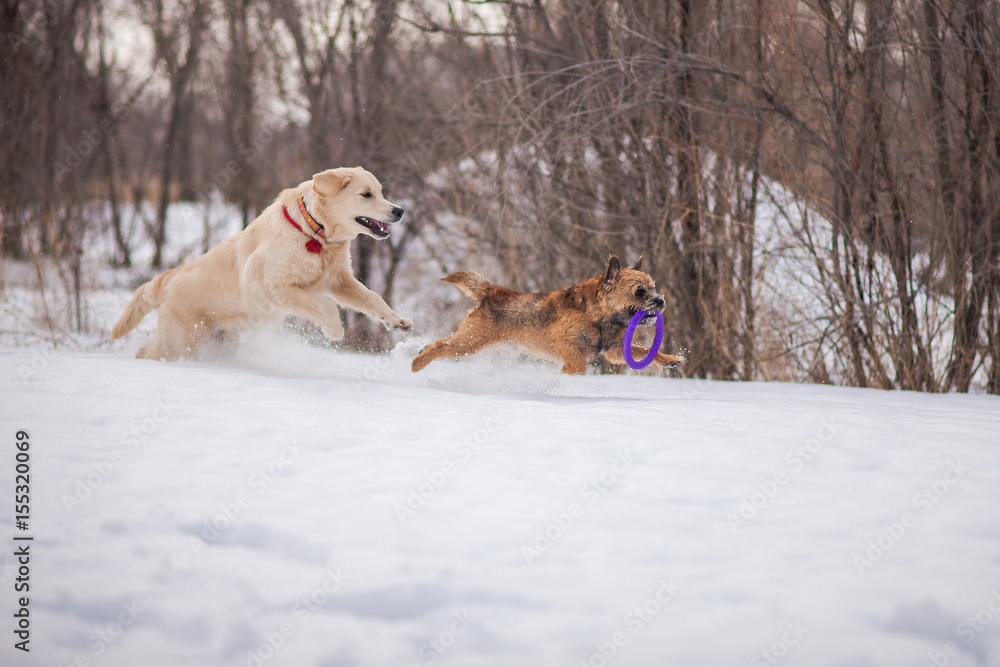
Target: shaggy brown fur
(571, 326)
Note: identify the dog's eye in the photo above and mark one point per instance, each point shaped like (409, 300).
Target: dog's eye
(640, 292)
(367, 195)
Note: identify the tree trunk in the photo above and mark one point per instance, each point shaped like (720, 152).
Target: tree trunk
(181, 75)
(166, 178)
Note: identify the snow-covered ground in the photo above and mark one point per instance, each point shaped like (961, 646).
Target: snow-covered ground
(299, 506)
(306, 507)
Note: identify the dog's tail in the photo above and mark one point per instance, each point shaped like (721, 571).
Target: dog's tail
(473, 284)
(145, 299)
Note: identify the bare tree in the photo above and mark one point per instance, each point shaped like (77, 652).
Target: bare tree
(547, 134)
(242, 60)
(179, 29)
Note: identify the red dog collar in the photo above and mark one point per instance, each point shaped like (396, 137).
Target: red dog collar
(312, 245)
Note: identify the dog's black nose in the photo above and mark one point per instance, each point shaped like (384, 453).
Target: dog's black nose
(660, 303)
(397, 212)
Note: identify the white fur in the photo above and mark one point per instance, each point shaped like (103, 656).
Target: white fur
(265, 272)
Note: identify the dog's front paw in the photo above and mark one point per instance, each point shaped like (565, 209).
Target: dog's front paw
(398, 324)
(667, 360)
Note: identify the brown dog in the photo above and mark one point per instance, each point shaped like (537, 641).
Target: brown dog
(571, 326)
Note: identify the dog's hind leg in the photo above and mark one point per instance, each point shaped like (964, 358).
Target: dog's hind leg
(174, 339)
(462, 343)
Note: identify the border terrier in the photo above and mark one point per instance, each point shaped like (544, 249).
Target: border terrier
(571, 326)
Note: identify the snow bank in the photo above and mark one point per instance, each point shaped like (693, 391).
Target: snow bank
(297, 506)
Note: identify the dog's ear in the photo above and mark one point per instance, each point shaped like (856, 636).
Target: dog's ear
(614, 268)
(638, 264)
(331, 181)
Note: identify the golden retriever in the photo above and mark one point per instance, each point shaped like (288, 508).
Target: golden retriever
(294, 259)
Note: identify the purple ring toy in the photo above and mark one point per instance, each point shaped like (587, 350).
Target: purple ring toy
(653, 349)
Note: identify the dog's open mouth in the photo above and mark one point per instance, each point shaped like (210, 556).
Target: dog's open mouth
(647, 319)
(379, 228)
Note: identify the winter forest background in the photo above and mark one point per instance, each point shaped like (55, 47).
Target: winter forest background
(815, 184)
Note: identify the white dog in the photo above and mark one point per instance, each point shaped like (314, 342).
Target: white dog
(293, 259)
